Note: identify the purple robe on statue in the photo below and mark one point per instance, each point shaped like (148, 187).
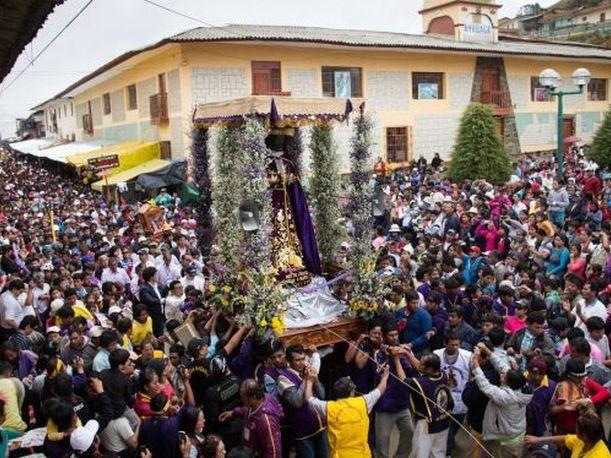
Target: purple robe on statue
(304, 227)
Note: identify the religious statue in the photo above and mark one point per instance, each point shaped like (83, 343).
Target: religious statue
(294, 244)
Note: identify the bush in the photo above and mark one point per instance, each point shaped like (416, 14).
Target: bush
(478, 152)
(601, 146)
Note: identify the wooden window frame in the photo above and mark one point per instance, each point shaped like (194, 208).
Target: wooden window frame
(128, 98)
(397, 137)
(274, 70)
(356, 80)
(598, 91)
(418, 77)
(534, 85)
(106, 108)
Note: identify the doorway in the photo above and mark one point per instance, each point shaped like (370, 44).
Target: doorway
(568, 130)
(491, 84)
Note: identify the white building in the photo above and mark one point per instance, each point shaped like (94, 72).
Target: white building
(59, 119)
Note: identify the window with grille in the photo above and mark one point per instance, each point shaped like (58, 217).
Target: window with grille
(427, 86)
(597, 90)
(132, 99)
(396, 144)
(341, 82)
(538, 93)
(266, 78)
(106, 103)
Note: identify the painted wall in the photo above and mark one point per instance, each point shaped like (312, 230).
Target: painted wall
(200, 73)
(125, 124)
(65, 119)
(536, 121)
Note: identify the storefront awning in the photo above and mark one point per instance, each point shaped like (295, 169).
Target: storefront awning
(130, 155)
(281, 111)
(80, 159)
(129, 174)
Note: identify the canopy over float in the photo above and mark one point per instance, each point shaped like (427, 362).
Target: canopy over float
(291, 227)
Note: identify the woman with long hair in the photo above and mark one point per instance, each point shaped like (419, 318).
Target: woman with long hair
(148, 387)
(587, 442)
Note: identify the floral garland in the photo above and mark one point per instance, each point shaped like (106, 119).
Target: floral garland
(325, 189)
(365, 295)
(226, 196)
(294, 150)
(205, 227)
(265, 301)
(226, 291)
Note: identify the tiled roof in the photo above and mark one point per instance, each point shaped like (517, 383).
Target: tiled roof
(367, 38)
(356, 38)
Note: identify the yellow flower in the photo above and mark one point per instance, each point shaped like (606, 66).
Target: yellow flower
(278, 325)
(224, 302)
(263, 323)
(212, 288)
(226, 289)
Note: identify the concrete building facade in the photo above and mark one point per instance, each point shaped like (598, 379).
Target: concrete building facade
(416, 86)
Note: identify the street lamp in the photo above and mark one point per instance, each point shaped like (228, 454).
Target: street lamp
(550, 79)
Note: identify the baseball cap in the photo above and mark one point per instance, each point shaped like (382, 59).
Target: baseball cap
(196, 344)
(395, 228)
(476, 249)
(537, 365)
(96, 331)
(114, 309)
(53, 329)
(83, 436)
(560, 323)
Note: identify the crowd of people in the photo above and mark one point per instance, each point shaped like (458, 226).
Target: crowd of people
(493, 340)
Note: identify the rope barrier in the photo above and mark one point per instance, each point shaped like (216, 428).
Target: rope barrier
(466, 430)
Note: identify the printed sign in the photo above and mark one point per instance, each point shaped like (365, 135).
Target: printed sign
(478, 27)
(343, 85)
(110, 161)
(428, 91)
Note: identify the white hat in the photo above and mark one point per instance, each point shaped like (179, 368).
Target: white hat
(395, 228)
(56, 304)
(83, 436)
(114, 309)
(51, 329)
(96, 331)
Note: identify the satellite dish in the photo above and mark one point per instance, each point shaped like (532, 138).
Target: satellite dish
(248, 215)
(379, 208)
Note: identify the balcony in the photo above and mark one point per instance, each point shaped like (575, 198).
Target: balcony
(499, 100)
(159, 109)
(88, 124)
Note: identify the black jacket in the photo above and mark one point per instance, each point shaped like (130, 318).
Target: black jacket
(149, 297)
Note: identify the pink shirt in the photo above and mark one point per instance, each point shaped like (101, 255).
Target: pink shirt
(513, 325)
(595, 353)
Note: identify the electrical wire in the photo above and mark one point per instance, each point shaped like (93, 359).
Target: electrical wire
(466, 430)
(186, 16)
(57, 35)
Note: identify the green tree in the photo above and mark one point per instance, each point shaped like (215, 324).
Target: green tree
(325, 189)
(601, 146)
(478, 152)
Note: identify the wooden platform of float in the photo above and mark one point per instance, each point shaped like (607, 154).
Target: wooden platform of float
(327, 334)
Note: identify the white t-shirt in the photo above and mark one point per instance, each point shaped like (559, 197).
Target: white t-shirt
(40, 304)
(596, 308)
(115, 435)
(10, 309)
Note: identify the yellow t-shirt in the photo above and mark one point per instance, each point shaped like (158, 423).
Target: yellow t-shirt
(12, 411)
(141, 331)
(575, 444)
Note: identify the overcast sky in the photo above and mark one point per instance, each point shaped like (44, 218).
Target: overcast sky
(110, 27)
